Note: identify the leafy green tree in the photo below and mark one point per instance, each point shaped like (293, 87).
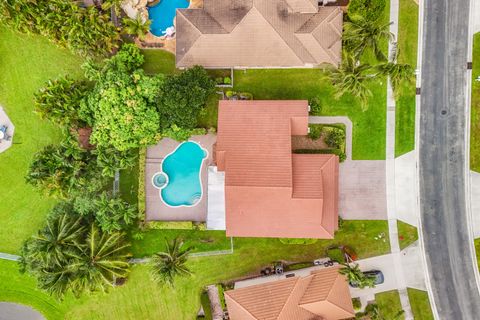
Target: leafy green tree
(361, 33)
(86, 31)
(110, 213)
(136, 27)
(121, 108)
(59, 100)
(352, 77)
(183, 96)
(355, 275)
(64, 169)
(166, 266)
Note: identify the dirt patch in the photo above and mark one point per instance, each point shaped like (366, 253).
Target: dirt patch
(305, 142)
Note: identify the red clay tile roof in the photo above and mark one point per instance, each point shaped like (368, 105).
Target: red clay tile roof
(323, 295)
(270, 192)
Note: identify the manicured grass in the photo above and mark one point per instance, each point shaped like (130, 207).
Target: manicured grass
(407, 234)
(200, 241)
(159, 61)
(477, 251)
(140, 298)
(475, 121)
(420, 304)
(389, 304)
(129, 183)
(21, 288)
(405, 102)
(368, 126)
(26, 63)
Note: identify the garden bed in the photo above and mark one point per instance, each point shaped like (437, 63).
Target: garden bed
(322, 139)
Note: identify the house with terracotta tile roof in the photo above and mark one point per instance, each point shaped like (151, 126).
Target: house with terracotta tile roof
(259, 33)
(308, 294)
(268, 190)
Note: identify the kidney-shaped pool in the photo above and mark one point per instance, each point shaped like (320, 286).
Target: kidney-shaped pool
(179, 180)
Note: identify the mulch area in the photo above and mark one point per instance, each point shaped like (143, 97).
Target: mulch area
(304, 142)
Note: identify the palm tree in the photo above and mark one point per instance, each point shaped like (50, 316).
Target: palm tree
(351, 77)
(398, 72)
(355, 275)
(58, 242)
(361, 33)
(104, 260)
(136, 27)
(167, 265)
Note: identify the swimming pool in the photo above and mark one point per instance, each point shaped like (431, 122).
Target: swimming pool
(180, 181)
(163, 13)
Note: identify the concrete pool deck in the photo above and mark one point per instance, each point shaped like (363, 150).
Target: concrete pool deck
(155, 209)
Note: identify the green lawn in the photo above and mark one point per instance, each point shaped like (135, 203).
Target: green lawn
(420, 304)
(140, 298)
(368, 127)
(477, 251)
(475, 121)
(405, 107)
(159, 61)
(407, 234)
(389, 304)
(26, 63)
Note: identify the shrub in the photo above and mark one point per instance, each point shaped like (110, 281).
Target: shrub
(341, 155)
(315, 131)
(335, 138)
(357, 304)
(370, 9)
(315, 106)
(59, 100)
(305, 241)
(180, 134)
(227, 80)
(336, 254)
(110, 160)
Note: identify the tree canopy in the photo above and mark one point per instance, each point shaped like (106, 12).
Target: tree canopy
(183, 96)
(86, 31)
(122, 107)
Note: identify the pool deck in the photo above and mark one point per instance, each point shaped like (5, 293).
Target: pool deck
(156, 210)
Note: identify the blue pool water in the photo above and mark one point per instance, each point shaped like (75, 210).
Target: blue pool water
(163, 13)
(179, 180)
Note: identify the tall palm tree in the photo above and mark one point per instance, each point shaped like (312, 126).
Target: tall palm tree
(361, 33)
(170, 264)
(352, 77)
(398, 72)
(58, 242)
(355, 275)
(104, 260)
(136, 27)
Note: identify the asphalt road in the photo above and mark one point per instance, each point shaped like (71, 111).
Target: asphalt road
(442, 159)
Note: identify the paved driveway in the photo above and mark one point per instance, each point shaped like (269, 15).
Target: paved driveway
(362, 190)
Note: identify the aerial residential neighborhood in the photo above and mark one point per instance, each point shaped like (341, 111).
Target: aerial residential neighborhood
(240, 159)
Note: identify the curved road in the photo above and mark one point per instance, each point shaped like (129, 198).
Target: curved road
(442, 159)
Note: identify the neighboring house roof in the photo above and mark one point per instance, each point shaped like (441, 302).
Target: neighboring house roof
(258, 33)
(322, 295)
(270, 192)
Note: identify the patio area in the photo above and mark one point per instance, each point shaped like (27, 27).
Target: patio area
(156, 209)
(6, 131)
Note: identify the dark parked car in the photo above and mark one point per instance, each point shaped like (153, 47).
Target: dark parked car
(376, 274)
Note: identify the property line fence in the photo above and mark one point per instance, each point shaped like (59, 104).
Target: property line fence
(194, 254)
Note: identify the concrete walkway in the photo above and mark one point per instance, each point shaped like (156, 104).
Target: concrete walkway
(7, 256)
(340, 119)
(405, 186)
(390, 175)
(14, 311)
(475, 202)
